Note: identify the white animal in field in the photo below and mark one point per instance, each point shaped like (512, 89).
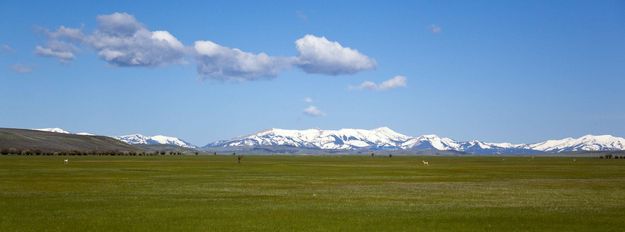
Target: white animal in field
(426, 163)
(65, 161)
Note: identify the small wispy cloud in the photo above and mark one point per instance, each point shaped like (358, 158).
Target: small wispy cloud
(308, 100)
(5, 48)
(395, 82)
(435, 29)
(62, 54)
(20, 68)
(313, 111)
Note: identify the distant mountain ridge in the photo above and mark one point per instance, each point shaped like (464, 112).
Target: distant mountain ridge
(134, 139)
(343, 139)
(384, 138)
(153, 140)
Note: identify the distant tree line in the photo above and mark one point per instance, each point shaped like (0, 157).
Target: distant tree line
(37, 152)
(612, 156)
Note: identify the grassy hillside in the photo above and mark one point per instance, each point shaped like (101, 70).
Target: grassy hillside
(43, 141)
(311, 193)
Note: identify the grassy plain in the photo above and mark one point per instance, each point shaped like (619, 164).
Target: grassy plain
(311, 193)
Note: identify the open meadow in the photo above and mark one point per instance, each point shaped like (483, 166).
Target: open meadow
(310, 193)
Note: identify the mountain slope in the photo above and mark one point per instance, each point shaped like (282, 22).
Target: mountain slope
(45, 141)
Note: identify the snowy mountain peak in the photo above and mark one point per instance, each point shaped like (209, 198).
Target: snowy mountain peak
(389, 132)
(386, 138)
(384, 130)
(584, 143)
(161, 139)
(342, 139)
(430, 142)
(158, 139)
(134, 139)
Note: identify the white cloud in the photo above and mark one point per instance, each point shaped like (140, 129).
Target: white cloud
(395, 82)
(316, 55)
(224, 63)
(435, 29)
(61, 43)
(119, 24)
(66, 33)
(119, 39)
(308, 100)
(20, 68)
(319, 55)
(61, 52)
(313, 112)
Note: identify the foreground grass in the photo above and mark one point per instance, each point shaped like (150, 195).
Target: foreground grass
(311, 193)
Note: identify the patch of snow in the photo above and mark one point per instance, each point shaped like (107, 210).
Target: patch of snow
(84, 133)
(55, 130)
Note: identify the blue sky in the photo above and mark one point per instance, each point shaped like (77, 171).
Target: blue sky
(517, 71)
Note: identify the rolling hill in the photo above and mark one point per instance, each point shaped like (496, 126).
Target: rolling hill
(45, 141)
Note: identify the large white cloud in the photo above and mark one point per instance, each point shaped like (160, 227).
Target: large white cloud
(224, 63)
(395, 82)
(119, 39)
(319, 55)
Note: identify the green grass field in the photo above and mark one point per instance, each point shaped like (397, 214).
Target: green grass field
(311, 193)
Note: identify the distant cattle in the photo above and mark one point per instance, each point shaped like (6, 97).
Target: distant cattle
(426, 163)
(65, 161)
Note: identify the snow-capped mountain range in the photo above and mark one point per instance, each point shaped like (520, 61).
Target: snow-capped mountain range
(384, 138)
(157, 139)
(134, 138)
(343, 139)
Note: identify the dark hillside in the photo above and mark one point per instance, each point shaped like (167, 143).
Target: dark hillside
(43, 141)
